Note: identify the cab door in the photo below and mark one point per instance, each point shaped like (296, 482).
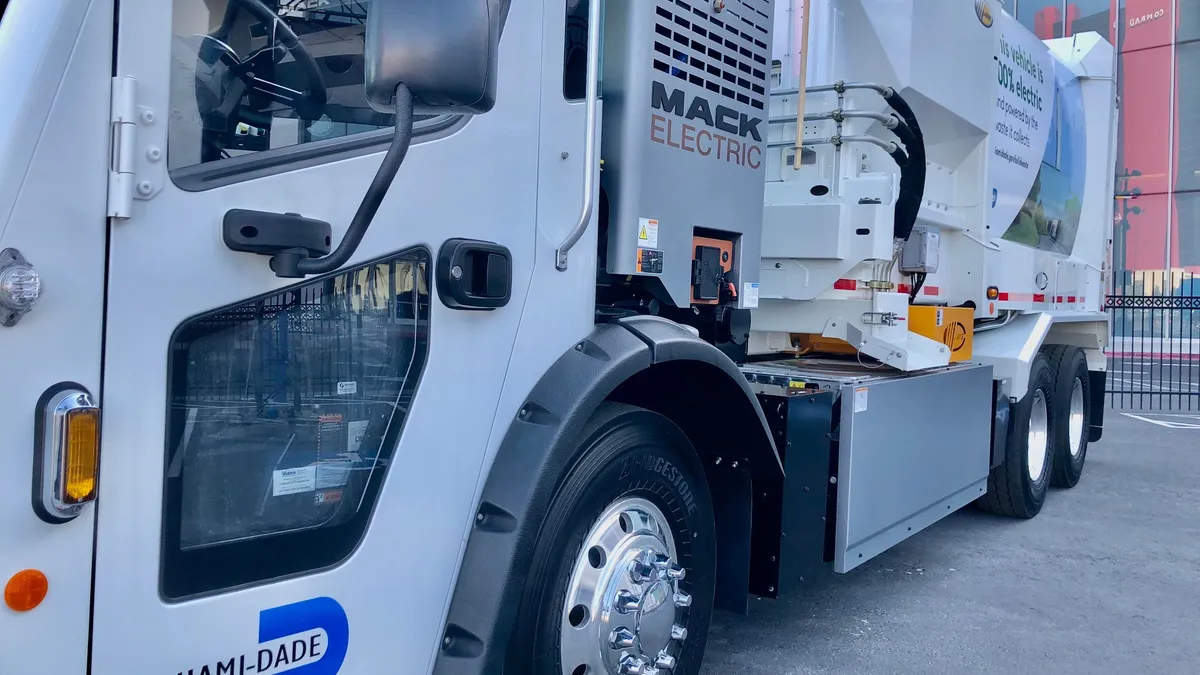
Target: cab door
(289, 466)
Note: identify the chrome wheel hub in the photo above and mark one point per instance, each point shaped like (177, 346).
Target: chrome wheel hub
(1075, 421)
(1039, 423)
(623, 613)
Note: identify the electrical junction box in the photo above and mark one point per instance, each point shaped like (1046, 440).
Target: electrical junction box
(685, 87)
(951, 326)
(920, 253)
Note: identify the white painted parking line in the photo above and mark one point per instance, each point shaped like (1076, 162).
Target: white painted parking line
(1178, 424)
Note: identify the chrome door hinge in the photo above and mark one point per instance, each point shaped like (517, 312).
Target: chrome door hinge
(135, 168)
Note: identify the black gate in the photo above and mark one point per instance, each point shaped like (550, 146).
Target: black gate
(1154, 348)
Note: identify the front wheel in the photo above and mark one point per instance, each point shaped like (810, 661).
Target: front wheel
(622, 577)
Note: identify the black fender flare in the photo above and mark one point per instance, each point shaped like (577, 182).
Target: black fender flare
(537, 450)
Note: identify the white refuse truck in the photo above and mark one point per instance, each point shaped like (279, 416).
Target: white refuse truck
(461, 336)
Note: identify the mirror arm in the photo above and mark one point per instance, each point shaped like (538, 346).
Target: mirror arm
(589, 155)
(295, 264)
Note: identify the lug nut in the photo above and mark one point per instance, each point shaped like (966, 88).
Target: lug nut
(628, 602)
(664, 661)
(632, 666)
(621, 638)
(683, 600)
(671, 570)
(678, 633)
(641, 571)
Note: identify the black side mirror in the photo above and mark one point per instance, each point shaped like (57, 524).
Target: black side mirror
(443, 51)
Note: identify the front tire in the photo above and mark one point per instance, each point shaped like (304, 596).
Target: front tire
(1017, 488)
(623, 571)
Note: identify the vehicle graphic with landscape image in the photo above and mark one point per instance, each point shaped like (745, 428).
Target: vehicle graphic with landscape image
(1049, 218)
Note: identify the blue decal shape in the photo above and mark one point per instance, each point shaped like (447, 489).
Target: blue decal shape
(310, 615)
(995, 195)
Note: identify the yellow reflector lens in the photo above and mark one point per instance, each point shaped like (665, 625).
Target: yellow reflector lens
(25, 590)
(993, 292)
(81, 455)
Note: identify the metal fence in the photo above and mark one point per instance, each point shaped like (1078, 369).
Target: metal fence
(1154, 348)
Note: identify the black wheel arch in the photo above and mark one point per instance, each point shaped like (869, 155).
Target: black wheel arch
(645, 361)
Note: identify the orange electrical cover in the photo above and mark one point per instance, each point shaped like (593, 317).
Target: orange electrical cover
(951, 326)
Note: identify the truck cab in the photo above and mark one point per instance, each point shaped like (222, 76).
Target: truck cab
(136, 135)
(478, 336)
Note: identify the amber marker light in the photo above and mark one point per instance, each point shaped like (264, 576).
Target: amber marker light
(67, 454)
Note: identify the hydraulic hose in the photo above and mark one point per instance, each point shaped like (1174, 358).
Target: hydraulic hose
(912, 176)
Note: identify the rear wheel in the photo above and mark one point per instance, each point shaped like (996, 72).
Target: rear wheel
(622, 577)
(1069, 426)
(1017, 488)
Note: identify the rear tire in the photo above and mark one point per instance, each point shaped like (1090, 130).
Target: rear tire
(1017, 488)
(1072, 415)
(605, 586)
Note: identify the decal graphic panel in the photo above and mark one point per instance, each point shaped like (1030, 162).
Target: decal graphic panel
(1037, 164)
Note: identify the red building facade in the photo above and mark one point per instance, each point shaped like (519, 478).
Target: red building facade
(1157, 224)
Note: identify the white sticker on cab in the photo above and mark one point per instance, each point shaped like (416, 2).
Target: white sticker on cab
(294, 481)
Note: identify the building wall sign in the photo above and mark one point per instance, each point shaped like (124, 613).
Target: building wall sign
(1147, 18)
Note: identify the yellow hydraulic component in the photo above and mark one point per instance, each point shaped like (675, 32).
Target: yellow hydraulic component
(951, 326)
(819, 344)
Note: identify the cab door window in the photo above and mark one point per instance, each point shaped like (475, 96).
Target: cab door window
(268, 83)
(283, 416)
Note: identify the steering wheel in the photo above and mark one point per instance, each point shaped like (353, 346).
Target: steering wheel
(223, 79)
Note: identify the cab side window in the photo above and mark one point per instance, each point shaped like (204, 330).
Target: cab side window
(284, 414)
(575, 51)
(250, 77)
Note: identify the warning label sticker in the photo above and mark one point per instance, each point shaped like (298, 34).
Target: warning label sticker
(860, 399)
(647, 233)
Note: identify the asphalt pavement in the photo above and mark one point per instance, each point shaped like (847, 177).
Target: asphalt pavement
(1106, 580)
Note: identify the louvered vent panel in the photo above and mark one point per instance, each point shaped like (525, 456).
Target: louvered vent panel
(727, 53)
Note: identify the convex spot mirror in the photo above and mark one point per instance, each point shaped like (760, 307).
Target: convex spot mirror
(444, 51)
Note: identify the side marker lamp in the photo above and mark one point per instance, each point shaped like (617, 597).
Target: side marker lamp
(68, 453)
(20, 286)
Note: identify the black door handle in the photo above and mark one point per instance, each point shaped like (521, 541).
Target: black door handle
(474, 275)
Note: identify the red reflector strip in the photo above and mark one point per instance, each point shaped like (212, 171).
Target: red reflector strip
(1039, 297)
(903, 288)
(845, 285)
(1070, 298)
(932, 290)
(1003, 297)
